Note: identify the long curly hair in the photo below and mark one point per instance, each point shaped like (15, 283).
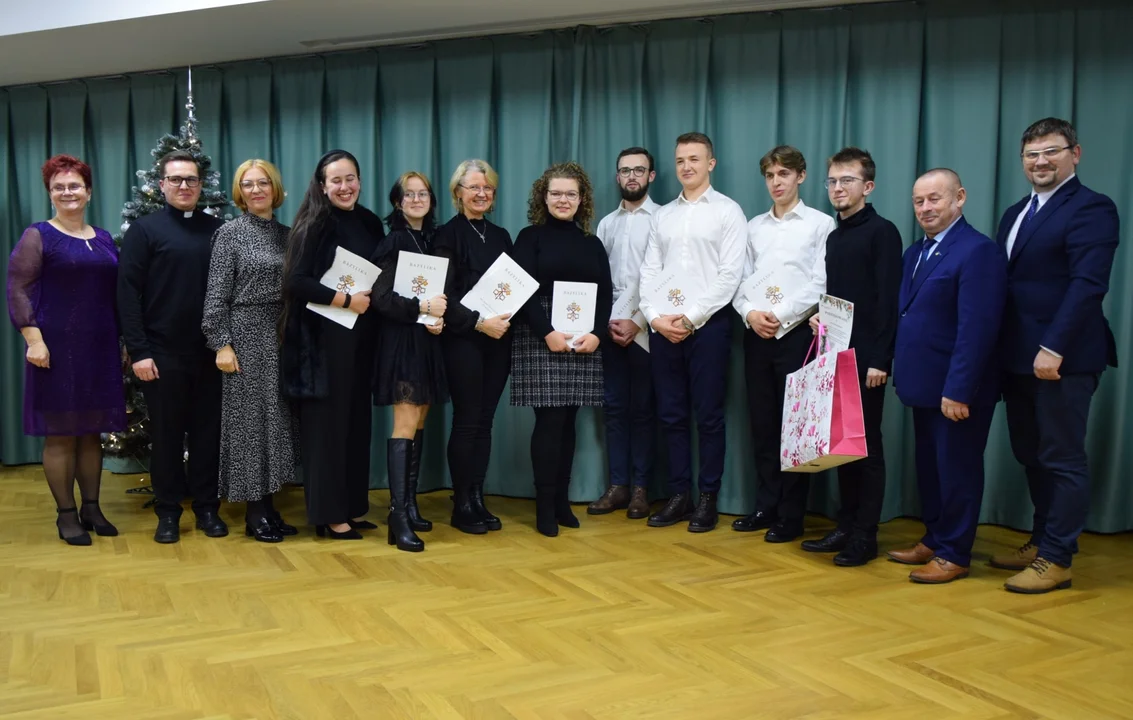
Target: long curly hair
(537, 212)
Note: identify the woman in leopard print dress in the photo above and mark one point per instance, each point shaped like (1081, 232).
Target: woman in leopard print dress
(259, 440)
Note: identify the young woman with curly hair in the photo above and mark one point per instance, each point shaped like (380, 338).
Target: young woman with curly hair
(548, 372)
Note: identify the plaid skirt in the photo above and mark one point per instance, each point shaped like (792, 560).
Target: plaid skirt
(541, 378)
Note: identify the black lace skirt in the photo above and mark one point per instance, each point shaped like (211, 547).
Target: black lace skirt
(410, 366)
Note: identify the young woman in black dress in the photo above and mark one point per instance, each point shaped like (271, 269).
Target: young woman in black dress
(477, 350)
(410, 371)
(552, 372)
(327, 367)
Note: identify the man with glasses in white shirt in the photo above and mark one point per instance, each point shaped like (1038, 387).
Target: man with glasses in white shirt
(630, 431)
(786, 252)
(698, 241)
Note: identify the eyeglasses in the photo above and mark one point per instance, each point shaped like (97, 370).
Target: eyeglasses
(177, 180)
(72, 188)
(842, 181)
(478, 189)
(1049, 153)
(638, 171)
(423, 195)
(571, 195)
(263, 184)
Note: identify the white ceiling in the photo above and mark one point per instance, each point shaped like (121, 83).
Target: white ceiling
(85, 38)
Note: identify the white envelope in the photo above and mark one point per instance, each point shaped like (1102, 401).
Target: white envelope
(768, 291)
(504, 288)
(420, 277)
(349, 273)
(672, 292)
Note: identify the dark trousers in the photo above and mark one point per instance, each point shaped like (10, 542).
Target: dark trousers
(630, 431)
(1047, 424)
(693, 372)
(766, 366)
(184, 411)
(861, 484)
(552, 449)
(950, 477)
(477, 368)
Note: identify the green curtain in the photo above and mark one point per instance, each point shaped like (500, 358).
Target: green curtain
(920, 85)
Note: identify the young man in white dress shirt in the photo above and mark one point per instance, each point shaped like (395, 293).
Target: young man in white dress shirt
(630, 431)
(788, 241)
(700, 237)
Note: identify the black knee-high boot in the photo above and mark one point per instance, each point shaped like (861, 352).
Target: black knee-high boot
(417, 522)
(397, 463)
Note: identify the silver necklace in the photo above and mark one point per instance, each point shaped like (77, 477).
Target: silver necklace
(481, 234)
(413, 235)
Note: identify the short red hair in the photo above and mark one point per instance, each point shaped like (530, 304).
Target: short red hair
(62, 164)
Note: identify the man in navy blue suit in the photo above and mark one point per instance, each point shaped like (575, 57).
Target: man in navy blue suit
(953, 286)
(1059, 243)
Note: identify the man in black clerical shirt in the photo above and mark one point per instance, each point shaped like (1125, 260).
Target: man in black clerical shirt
(162, 274)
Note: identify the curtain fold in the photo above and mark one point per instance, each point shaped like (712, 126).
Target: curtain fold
(919, 85)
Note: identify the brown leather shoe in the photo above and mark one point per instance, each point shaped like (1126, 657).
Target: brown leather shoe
(918, 555)
(1017, 559)
(1041, 576)
(638, 504)
(938, 571)
(616, 497)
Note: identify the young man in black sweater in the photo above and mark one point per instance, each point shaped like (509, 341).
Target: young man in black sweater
(162, 275)
(863, 266)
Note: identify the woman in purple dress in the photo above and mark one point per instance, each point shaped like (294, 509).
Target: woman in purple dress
(61, 288)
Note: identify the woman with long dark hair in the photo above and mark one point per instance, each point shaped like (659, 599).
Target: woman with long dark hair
(552, 372)
(327, 367)
(61, 297)
(477, 350)
(411, 372)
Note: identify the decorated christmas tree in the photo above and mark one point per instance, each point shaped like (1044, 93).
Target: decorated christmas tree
(131, 447)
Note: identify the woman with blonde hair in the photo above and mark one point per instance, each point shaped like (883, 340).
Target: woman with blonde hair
(477, 350)
(410, 366)
(241, 313)
(554, 373)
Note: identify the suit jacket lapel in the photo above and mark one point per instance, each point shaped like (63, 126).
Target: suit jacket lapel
(1048, 209)
(932, 262)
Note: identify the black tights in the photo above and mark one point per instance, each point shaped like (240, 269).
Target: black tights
(552, 448)
(67, 458)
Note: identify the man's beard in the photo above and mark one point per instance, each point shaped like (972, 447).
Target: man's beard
(635, 195)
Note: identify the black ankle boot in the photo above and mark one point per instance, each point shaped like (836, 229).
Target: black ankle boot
(476, 497)
(417, 522)
(564, 514)
(397, 464)
(464, 516)
(546, 521)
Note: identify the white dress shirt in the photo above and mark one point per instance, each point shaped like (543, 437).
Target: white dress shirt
(705, 240)
(624, 234)
(794, 246)
(1043, 197)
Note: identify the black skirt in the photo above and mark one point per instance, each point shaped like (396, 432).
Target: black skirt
(410, 366)
(541, 378)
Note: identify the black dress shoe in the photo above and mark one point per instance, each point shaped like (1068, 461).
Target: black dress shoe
(677, 509)
(758, 520)
(834, 541)
(264, 530)
(212, 525)
(329, 532)
(168, 530)
(784, 531)
(859, 551)
(362, 525)
(283, 528)
(704, 517)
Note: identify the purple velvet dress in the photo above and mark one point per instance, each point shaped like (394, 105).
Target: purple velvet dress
(66, 287)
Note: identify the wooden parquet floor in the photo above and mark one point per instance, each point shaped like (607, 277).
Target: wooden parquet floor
(611, 621)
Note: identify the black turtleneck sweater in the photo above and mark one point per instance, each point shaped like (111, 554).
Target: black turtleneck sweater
(559, 250)
(469, 257)
(863, 265)
(162, 276)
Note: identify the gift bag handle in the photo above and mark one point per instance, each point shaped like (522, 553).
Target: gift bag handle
(819, 342)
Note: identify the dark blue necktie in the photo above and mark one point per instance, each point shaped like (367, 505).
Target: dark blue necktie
(925, 253)
(1031, 210)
